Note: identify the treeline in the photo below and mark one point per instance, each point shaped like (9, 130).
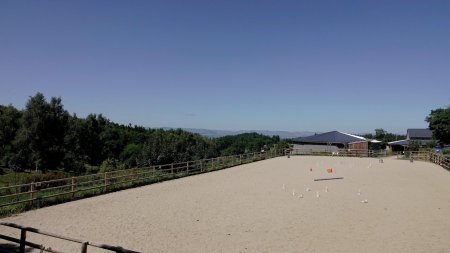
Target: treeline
(384, 136)
(439, 122)
(44, 136)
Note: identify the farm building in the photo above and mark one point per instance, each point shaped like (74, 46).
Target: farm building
(422, 136)
(333, 141)
(333, 138)
(419, 134)
(362, 148)
(305, 149)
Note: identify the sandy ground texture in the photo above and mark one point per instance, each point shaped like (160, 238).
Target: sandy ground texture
(267, 206)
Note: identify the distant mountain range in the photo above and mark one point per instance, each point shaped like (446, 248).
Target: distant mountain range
(211, 133)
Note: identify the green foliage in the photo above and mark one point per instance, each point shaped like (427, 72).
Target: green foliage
(245, 143)
(45, 137)
(439, 123)
(40, 139)
(110, 164)
(413, 146)
(9, 124)
(130, 154)
(384, 136)
(162, 147)
(11, 177)
(281, 146)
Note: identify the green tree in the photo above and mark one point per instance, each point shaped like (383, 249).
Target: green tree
(45, 137)
(9, 124)
(380, 134)
(244, 143)
(131, 154)
(384, 136)
(439, 123)
(40, 139)
(75, 156)
(112, 141)
(93, 148)
(281, 146)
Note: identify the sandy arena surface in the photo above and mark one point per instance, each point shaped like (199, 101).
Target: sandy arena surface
(246, 209)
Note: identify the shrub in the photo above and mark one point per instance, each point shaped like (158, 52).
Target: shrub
(110, 164)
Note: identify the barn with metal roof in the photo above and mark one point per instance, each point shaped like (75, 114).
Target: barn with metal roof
(421, 136)
(334, 140)
(330, 138)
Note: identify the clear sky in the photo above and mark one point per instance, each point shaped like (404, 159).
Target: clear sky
(275, 65)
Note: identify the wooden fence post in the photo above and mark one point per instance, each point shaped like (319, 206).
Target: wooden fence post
(171, 169)
(201, 165)
(73, 187)
(84, 247)
(240, 159)
(105, 181)
(187, 167)
(32, 190)
(23, 239)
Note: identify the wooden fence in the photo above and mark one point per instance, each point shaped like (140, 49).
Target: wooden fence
(436, 158)
(18, 198)
(340, 152)
(23, 243)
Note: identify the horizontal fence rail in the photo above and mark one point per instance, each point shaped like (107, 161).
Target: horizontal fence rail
(339, 152)
(436, 158)
(23, 243)
(22, 197)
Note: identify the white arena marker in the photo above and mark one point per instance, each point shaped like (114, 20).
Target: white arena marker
(365, 201)
(317, 194)
(307, 189)
(300, 196)
(293, 192)
(326, 189)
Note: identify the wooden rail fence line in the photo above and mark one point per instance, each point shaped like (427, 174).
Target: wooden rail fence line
(436, 158)
(339, 152)
(22, 197)
(430, 156)
(23, 243)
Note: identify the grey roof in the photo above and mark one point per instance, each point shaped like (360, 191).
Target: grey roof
(419, 133)
(400, 143)
(330, 137)
(406, 142)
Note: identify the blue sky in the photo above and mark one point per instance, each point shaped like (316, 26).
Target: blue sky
(276, 65)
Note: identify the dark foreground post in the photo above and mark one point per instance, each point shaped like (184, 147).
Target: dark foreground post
(23, 239)
(84, 247)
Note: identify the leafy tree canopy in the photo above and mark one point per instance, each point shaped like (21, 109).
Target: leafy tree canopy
(439, 123)
(44, 136)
